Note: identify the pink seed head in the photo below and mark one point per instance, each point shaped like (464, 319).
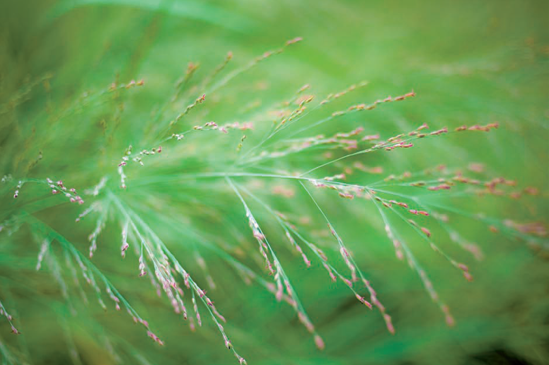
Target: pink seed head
(363, 301)
(319, 342)
(450, 321)
(426, 231)
(389, 323)
(295, 40)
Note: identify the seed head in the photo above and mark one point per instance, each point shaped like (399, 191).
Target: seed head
(319, 342)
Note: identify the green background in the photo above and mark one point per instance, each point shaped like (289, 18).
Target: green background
(468, 62)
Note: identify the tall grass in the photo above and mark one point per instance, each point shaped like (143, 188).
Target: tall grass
(109, 203)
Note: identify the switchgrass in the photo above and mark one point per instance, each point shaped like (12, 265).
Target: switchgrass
(109, 205)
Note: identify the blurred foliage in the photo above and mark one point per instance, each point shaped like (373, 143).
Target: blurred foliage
(471, 62)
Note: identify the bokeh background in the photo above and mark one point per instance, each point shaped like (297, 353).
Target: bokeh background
(468, 62)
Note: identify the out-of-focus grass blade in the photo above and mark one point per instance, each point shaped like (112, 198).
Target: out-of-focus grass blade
(197, 10)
